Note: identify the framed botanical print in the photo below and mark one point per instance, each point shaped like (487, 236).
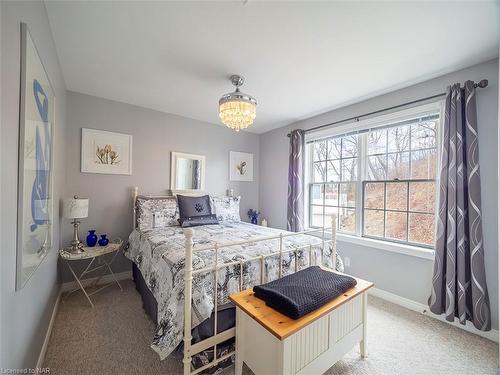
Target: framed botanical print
(240, 166)
(35, 175)
(106, 152)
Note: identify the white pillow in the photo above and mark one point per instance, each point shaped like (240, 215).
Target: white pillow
(154, 212)
(226, 208)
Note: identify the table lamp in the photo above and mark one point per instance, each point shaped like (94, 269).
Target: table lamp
(75, 208)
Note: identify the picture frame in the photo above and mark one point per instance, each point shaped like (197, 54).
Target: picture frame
(240, 166)
(187, 173)
(35, 162)
(106, 152)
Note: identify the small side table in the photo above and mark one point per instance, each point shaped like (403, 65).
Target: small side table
(93, 253)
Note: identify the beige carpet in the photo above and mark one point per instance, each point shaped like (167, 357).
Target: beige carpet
(114, 337)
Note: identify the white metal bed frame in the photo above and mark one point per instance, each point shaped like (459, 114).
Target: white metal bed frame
(217, 338)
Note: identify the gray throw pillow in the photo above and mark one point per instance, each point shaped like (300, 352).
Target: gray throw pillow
(199, 220)
(191, 207)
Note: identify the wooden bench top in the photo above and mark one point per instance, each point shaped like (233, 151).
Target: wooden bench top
(281, 325)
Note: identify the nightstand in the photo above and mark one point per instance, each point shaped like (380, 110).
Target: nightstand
(91, 254)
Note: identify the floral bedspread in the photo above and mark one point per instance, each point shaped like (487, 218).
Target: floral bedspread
(160, 253)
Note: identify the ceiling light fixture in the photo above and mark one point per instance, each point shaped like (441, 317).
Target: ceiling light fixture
(237, 110)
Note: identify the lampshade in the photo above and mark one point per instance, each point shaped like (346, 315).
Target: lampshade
(237, 110)
(75, 208)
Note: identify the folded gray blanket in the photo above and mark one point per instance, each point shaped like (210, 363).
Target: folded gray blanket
(304, 291)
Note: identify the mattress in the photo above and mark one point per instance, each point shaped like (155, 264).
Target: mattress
(159, 254)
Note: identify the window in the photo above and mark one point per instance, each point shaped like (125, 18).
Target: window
(403, 158)
(379, 182)
(333, 189)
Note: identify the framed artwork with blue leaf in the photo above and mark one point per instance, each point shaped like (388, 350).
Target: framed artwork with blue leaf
(35, 178)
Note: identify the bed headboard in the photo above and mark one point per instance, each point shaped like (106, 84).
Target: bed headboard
(136, 217)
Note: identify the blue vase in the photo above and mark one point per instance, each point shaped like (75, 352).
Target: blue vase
(254, 220)
(103, 241)
(91, 238)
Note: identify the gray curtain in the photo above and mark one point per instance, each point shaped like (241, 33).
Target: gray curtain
(295, 208)
(459, 282)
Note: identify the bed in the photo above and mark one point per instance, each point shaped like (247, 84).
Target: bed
(171, 263)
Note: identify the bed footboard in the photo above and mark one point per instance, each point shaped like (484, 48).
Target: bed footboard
(217, 338)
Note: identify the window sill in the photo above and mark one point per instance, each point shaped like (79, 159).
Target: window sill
(393, 247)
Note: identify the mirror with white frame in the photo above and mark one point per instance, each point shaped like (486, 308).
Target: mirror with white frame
(187, 173)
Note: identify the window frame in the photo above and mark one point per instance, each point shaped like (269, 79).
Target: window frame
(359, 128)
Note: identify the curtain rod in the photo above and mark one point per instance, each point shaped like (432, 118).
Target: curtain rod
(482, 84)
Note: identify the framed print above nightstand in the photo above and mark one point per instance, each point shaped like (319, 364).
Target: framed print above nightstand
(106, 152)
(240, 166)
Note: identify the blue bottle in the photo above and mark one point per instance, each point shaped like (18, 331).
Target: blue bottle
(103, 241)
(91, 238)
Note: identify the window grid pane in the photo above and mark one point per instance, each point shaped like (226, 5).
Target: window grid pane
(333, 171)
(331, 195)
(347, 195)
(418, 225)
(347, 219)
(319, 171)
(373, 225)
(396, 225)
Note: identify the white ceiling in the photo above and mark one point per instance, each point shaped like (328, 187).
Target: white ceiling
(298, 58)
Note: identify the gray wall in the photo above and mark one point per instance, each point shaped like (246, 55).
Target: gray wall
(403, 275)
(25, 314)
(155, 135)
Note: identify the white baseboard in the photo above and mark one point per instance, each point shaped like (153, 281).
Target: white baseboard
(424, 309)
(66, 287)
(45, 345)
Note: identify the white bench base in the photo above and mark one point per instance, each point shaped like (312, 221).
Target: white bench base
(311, 350)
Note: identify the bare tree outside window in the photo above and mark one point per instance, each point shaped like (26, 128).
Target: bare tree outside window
(335, 174)
(409, 159)
(398, 182)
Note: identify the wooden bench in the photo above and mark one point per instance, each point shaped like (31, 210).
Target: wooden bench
(272, 343)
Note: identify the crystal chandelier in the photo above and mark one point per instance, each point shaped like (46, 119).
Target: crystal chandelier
(237, 110)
